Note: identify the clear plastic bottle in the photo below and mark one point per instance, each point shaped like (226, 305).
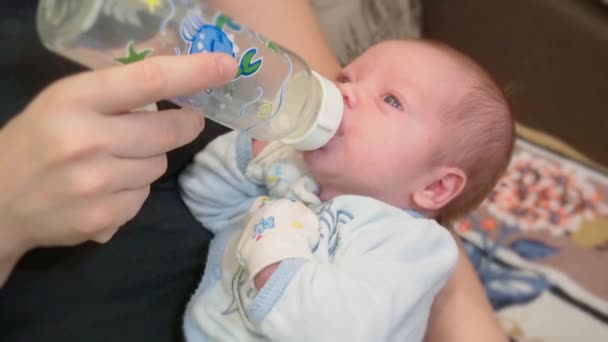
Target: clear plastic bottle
(275, 95)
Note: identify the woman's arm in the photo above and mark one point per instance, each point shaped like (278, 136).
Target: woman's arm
(292, 23)
(461, 311)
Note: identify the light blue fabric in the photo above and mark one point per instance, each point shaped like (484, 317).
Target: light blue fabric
(374, 272)
(213, 269)
(414, 213)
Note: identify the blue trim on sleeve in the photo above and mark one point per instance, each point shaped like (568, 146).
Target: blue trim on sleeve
(272, 291)
(244, 151)
(414, 213)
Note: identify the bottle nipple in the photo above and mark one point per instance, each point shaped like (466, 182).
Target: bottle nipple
(327, 120)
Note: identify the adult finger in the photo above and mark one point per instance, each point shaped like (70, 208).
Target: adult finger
(132, 173)
(144, 134)
(123, 206)
(93, 178)
(108, 174)
(105, 216)
(122, 88)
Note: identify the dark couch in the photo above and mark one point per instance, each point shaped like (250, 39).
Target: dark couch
(552, 55)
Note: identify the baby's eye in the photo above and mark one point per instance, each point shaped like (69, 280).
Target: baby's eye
(392, 101)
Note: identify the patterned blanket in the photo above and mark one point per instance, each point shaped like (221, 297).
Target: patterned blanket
(540, 246)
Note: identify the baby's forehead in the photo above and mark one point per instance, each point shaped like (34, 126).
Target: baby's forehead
(401, 53)
(427, 67)
(404, 47)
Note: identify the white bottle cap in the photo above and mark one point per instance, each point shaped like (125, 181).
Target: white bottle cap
(327, 120)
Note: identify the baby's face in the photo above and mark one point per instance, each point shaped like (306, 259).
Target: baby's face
(394, 95)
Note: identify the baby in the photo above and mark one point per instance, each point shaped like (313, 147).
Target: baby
(342, 243)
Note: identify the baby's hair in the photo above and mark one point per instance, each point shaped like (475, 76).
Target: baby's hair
(483, 135)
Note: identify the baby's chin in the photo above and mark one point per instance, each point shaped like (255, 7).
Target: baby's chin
(317, 160)
(322, 151)
(325, 196)
(311, 159)
(325, 159)
(310, 156)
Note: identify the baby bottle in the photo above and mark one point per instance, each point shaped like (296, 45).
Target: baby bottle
(274, 96)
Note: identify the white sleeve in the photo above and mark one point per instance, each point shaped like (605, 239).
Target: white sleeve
(214, 186)
(379, 287)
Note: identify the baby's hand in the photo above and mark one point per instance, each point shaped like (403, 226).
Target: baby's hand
(276, 230)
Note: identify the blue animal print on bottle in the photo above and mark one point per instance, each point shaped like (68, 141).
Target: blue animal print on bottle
(208, 38)
(204, 37)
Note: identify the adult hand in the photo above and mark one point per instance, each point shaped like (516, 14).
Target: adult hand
(75, 165)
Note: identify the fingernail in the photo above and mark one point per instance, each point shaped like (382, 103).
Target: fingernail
(226, 66)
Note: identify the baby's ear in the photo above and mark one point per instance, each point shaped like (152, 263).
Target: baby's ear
(442, 186)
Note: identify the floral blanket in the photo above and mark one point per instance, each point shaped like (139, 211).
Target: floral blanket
(540, 246)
